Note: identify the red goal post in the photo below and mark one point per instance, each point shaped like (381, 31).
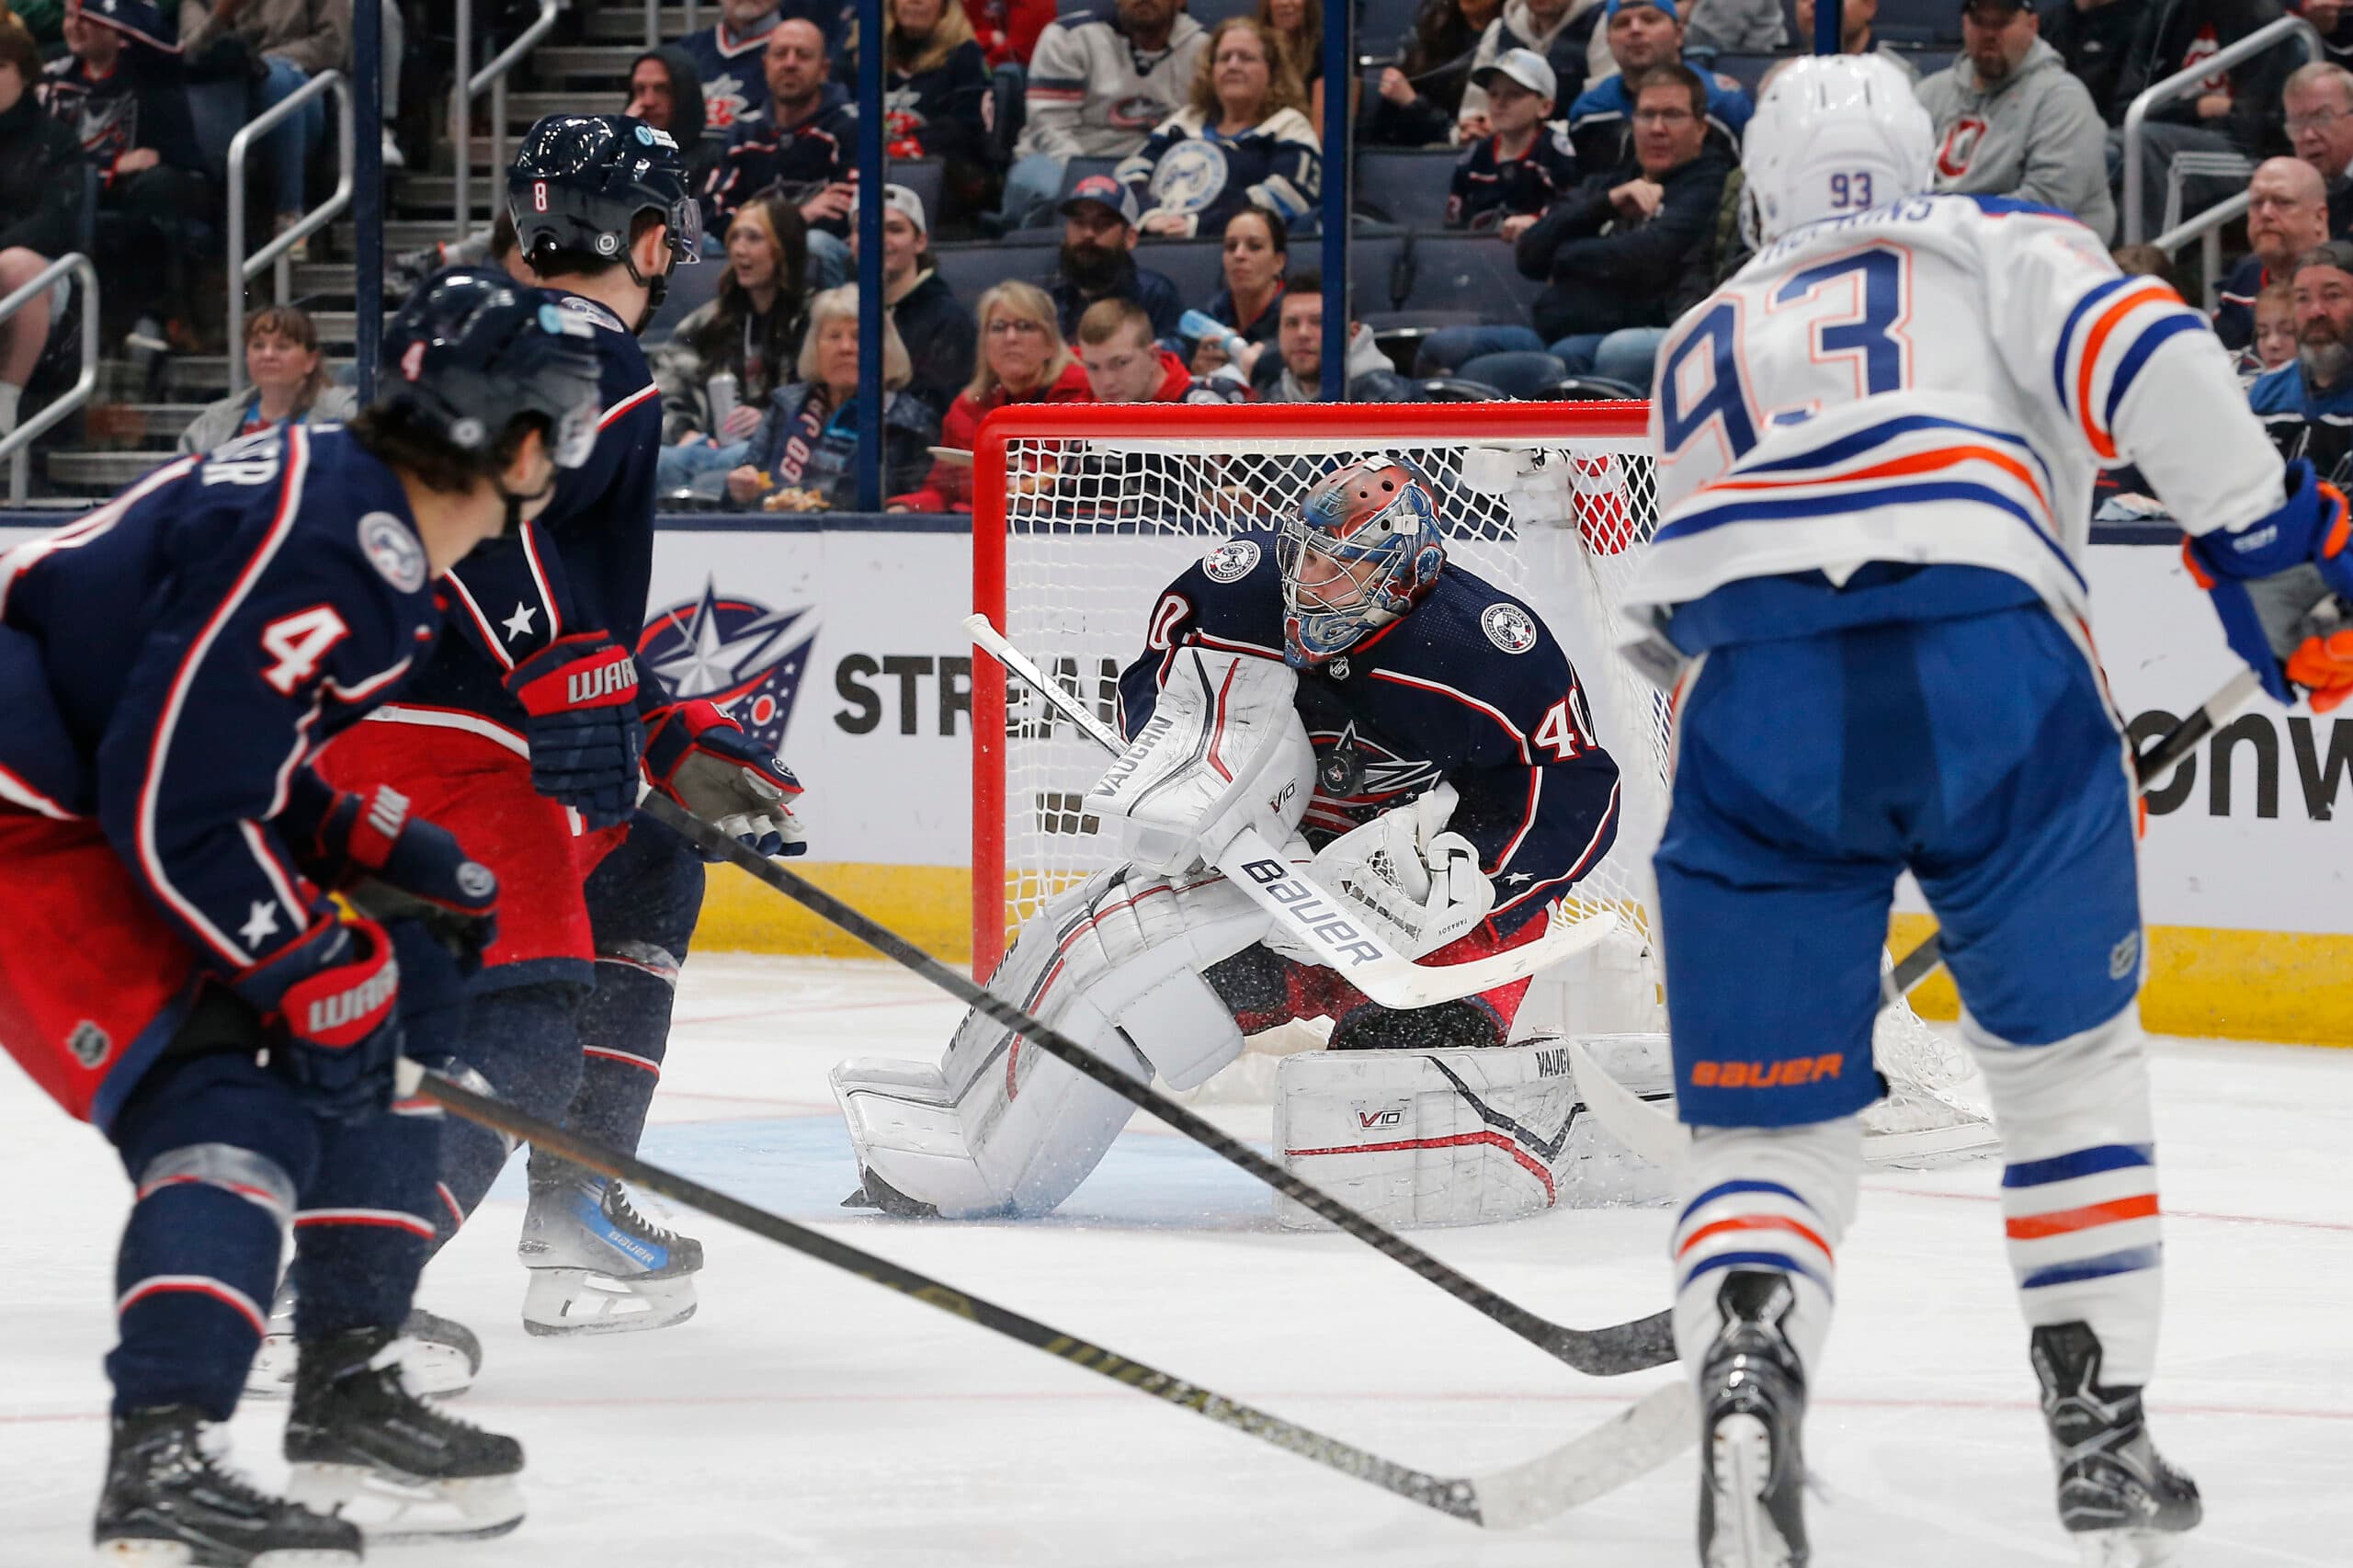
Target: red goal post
(1010, 495)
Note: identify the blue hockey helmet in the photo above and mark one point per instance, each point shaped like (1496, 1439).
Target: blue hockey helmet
(472, 349)
(579, 182)
(1364, 548)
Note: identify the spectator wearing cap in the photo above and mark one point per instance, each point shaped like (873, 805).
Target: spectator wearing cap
(1099, 81)
(1241, 141)
(1643, 36)
(2307, 406)
(1565, 32)
(1502, 182)
(727, 57)
(1022, 360)
(2236, 111)
(2287, 215)
(748, 333)
(1125, 365)
(2095, 38)
(804, 455)
(1097, 260)
(804, 148)
(1855, 21)
(1253, 259)
(1295, 373)
(41, 209)
(2318, 99)
(1623, 254)
(2010, 122)
(123, 93)
(665, 91)
(1415, 100)
(938, 330)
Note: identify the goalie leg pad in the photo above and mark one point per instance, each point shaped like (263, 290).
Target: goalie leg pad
(1002, 1127)
(1460, 1137)
(2079, 1191)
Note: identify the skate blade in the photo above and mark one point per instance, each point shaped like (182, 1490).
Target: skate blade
(564, 1301)
(432, 1371)
(1740, 1468)
(136, 1553)
(392, 1510)
(2129, 1549)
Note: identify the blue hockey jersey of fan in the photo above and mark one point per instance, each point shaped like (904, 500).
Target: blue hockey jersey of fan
(1468, 689)
(584, 564)
(168, 662)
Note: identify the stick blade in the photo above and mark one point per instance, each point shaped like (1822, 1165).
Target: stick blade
(1627, 1447)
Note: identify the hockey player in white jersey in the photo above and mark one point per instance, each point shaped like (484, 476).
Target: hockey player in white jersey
(1877, 444)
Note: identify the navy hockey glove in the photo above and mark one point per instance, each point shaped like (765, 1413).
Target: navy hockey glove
(579, 695)
(701, 758)
(331, 1004)
(393, 866)
(2273, 583)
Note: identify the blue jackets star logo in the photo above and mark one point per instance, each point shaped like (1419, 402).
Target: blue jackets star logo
(738, 654)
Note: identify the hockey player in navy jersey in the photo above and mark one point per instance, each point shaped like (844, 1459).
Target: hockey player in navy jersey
(169, 666)
(1449, 788)
(529, 735)
(1876, 446)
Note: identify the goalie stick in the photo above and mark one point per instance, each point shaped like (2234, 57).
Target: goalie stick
(1651, 1132)
(1636, 1440)
(1600, 1352)
(1302, 906)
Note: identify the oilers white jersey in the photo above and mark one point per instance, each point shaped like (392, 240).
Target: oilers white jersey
(1935, 380)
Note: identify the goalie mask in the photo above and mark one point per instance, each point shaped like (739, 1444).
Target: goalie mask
(1362, 551)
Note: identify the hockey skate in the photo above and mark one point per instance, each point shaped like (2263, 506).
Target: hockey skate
(441, 1355)
(361, 1444)
(170, 1500)
(2126, 1507)
(1752, 1504)
(600, 1267)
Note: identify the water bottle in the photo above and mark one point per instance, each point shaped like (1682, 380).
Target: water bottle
(722, 392)
(1204, 327)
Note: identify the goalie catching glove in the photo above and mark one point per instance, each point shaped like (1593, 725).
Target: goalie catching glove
(2276, 584)
(702, 759)
(1418, 885)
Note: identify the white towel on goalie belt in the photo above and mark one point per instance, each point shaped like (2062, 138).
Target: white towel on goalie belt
(1001, 1126)
(1425, 1138)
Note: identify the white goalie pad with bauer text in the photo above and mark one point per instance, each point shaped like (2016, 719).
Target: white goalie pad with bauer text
(1428, 1138)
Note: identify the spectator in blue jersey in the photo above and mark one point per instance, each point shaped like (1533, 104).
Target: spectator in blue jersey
(1624, 254)
(1100, 81)
(290, 383)
(121, 91)
(2307, 406)
(803, 457)
(804, 149)
(727, 57)
(1563, 32)
(2287, 215)
(936, 90)
(1098, 260)
(1643, 36)
(1415, 100)
(1256, 255)
(1504, 181)
(1242, 140)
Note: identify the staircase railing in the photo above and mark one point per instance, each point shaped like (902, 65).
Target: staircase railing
(2183, 83)
(277, 254)
(462, 94)
(16, 445)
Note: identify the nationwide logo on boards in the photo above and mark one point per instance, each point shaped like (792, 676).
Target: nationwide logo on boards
(734, 652)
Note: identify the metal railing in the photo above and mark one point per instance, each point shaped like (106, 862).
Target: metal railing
(2207, 228)
(274, 255)
(2182, 85)
(16, 445)
(654, 21)
(466, 89)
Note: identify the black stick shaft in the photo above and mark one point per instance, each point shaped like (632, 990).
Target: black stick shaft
(1455, 1498)
(1602, 1352)
(2149, 769)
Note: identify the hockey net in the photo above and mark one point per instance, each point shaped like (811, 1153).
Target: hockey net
(1084, 513)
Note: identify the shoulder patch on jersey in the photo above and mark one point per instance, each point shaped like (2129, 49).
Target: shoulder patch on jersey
(392, 550)
(1508, 627)
(1230, 562)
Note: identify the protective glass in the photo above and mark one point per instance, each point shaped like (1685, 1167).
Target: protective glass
(685, 232)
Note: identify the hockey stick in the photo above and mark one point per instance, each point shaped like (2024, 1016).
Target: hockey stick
(1636, 1440)
(1654, 1133)
(1602, 1352)
(1302, 907)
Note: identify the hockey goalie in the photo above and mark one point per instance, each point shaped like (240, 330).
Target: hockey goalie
(1416, 741)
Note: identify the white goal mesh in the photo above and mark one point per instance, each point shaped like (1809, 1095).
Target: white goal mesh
(1096, 509)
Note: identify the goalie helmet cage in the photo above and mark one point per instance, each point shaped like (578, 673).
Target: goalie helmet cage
(1083, 513)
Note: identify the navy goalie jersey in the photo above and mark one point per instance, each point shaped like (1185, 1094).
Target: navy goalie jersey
(1469, 689)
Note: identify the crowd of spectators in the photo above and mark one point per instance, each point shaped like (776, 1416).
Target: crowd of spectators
(1594, 142)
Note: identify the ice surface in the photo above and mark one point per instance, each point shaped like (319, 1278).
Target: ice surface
(806, 1417)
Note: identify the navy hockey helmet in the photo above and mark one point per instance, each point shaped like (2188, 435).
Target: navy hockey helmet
(580, 180)
(473, 348)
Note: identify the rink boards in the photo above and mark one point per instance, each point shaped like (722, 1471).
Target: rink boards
(842, 642)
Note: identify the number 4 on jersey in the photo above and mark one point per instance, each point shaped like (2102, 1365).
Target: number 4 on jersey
(1563, 729)
(298, 643)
